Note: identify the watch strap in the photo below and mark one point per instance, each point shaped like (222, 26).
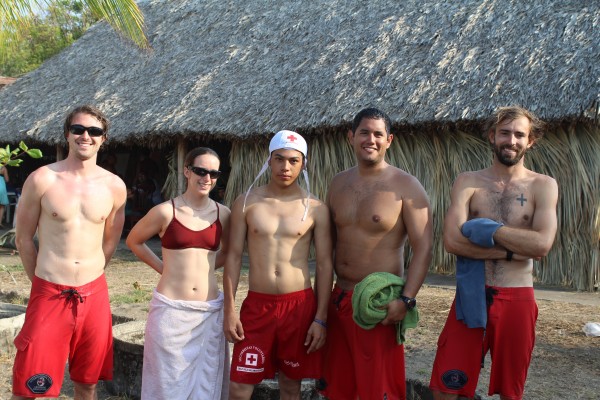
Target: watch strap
(509, 255)
(410, 302)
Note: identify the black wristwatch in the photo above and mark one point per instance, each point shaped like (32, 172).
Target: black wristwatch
(410, 302)
(509, 255)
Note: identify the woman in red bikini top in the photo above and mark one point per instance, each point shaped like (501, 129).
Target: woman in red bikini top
(186, 311)
(192, 228)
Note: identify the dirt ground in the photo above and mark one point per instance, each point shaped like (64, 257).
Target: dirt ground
(565, 364)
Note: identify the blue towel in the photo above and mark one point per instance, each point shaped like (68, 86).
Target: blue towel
(480, 231)
(470, 274)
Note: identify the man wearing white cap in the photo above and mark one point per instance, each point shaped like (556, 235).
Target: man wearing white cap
(375, 207)
(282, 325)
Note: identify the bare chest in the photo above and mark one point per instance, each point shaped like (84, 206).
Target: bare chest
(281, 220)
(513, 204)
(69, 201)
(373, 208)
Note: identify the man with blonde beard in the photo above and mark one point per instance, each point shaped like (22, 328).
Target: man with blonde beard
(500, 219)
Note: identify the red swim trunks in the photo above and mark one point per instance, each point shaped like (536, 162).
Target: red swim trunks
(63, 322)
(275, 328)
(509, 336)
(368, 364)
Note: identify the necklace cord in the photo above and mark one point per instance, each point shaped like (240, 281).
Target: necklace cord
(195, 209)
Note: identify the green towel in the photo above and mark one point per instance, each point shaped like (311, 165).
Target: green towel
(370, 297)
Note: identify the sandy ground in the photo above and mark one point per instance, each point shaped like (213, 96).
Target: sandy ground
(565, 364)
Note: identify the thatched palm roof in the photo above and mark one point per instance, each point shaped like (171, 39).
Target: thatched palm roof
(234, 69)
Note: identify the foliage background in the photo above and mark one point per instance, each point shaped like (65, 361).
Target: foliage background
(44, 35)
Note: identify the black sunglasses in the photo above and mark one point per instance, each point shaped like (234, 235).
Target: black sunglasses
(91, 130)
(214, 174)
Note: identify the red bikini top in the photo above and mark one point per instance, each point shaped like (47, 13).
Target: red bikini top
(177, 236)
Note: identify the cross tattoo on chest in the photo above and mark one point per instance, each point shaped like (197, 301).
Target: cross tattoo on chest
(522, 199)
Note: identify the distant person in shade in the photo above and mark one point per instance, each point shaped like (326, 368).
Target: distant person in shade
(3, 193)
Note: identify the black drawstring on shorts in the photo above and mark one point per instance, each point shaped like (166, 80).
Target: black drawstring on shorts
(71, 293)
(339, 299)
(490, 292)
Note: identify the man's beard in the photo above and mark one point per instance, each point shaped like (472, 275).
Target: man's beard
(507, 160)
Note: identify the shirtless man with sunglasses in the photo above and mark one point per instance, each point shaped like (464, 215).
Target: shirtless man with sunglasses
(77, 209)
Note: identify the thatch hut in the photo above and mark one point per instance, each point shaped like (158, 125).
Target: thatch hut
(229, 74)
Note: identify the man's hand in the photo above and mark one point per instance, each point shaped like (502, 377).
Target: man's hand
(396, 311)
(315, 337)
(232, 328)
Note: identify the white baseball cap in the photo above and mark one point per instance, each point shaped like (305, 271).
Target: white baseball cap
(286, 140)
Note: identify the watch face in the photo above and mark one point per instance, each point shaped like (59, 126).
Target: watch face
(410, 302)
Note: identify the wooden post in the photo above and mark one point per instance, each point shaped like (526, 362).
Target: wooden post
(60, 153)
(181, 152)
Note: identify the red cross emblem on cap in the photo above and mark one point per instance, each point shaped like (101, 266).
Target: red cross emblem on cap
(291, 138)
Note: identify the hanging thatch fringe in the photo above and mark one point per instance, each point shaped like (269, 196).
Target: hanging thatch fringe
(569, 154)
(169, 189)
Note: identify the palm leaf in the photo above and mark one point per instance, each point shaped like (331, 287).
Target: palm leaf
(123, 15)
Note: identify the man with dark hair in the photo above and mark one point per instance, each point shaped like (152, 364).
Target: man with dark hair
(499, 220)
(283, 322)
(77, 209)
(88, 110)
(375, 208)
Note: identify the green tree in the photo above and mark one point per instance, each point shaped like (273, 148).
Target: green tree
(45, 35)
(17, 15)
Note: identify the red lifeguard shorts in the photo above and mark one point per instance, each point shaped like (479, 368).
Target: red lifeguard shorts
(275, 328)
(368, 364)
(63, 322)
(509, 336)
